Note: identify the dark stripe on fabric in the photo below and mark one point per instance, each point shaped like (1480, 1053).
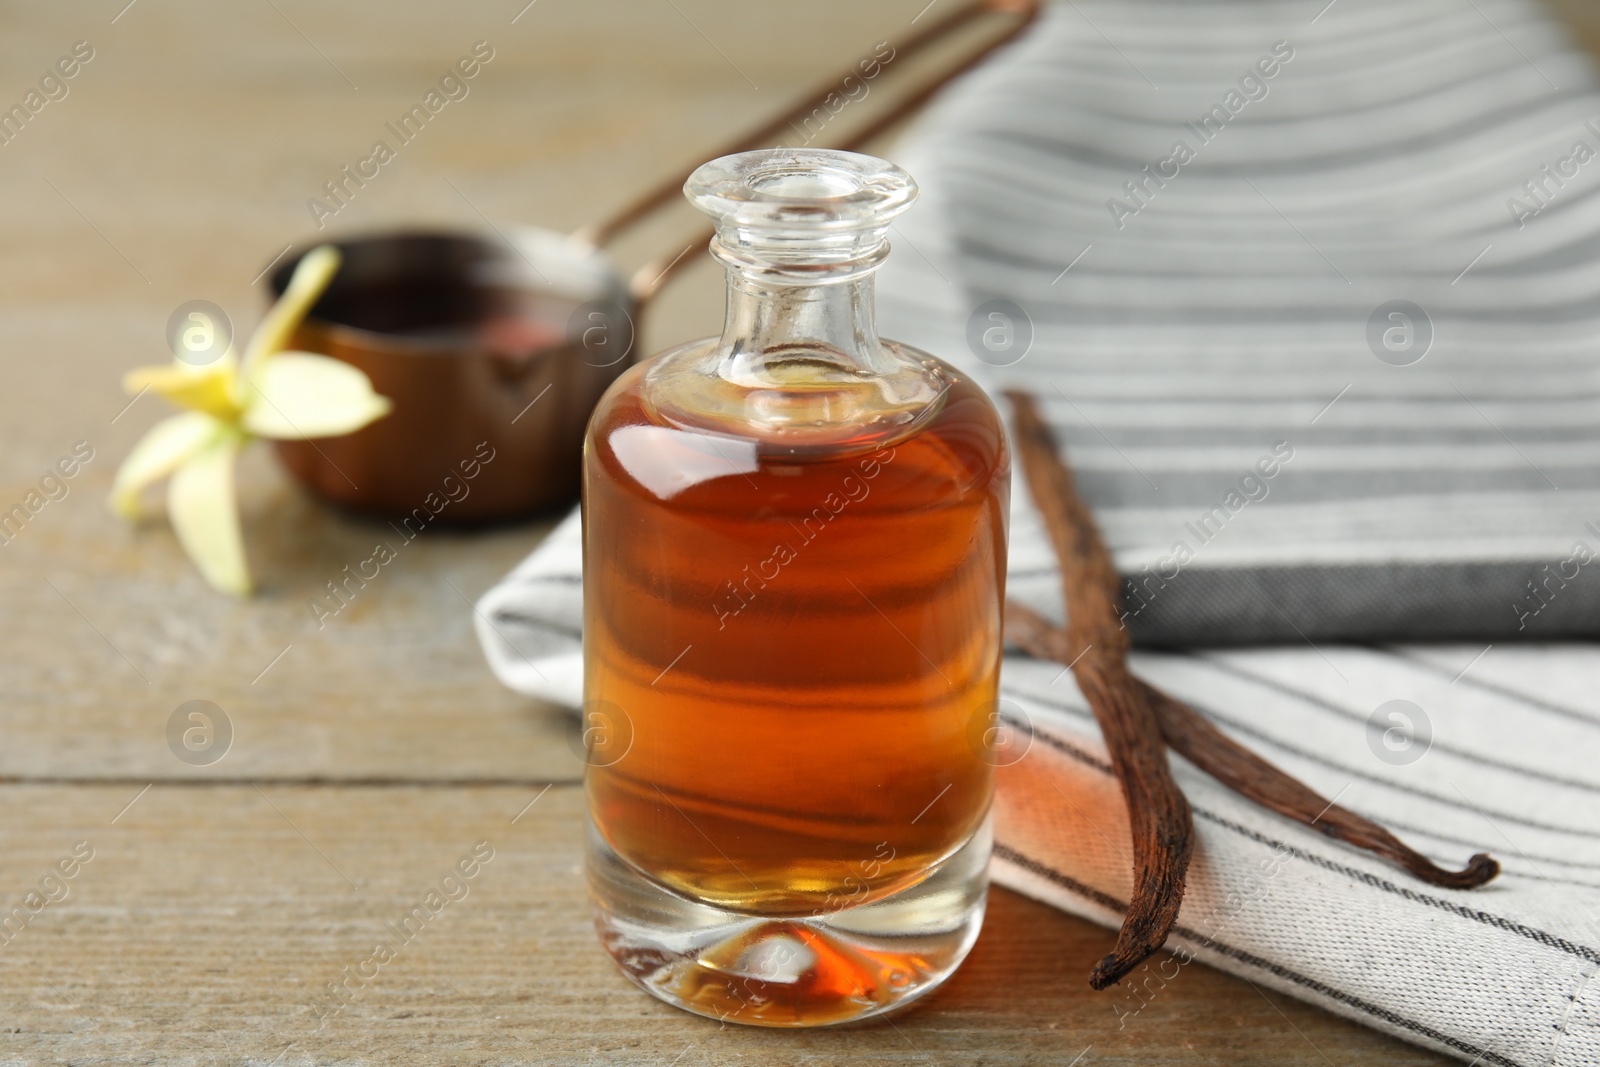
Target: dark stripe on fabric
(1502, 690)
(541, 624)
(1317, 701)
(1463, 842)
(1506, 872)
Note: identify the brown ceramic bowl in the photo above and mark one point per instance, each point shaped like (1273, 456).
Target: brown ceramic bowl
(487, 347)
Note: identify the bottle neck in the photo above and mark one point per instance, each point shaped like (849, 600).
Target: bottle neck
(799, 366)
(772, 332)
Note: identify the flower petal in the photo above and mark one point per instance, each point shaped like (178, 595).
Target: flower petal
(297, 394)
(158, 454)
(311, 276)
(208, 388)
(201, 504)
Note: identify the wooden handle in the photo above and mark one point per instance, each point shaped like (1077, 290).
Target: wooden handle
(649, 279)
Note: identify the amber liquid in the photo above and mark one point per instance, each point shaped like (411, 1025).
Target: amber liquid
(791, 661)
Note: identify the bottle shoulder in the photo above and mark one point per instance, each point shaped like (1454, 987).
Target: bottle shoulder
(953, 445)
(802, 407)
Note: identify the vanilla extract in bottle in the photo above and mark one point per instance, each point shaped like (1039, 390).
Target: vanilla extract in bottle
(794, 566)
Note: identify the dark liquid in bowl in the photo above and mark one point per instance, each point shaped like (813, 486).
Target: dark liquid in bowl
(442, 292)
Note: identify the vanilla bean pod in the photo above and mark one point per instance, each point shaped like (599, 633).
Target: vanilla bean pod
(1194, 737)
(1159, 820)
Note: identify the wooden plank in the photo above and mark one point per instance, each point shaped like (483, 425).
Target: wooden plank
(211, 918)
(109, 630)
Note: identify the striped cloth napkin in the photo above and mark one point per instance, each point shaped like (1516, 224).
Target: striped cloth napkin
(1213, 334)
(1328, 378)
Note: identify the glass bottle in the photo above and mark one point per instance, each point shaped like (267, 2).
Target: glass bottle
(794, 567)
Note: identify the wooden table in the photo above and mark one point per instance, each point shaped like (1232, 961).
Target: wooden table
(372, 753)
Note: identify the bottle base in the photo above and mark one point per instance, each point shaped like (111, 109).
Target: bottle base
(842, 966)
